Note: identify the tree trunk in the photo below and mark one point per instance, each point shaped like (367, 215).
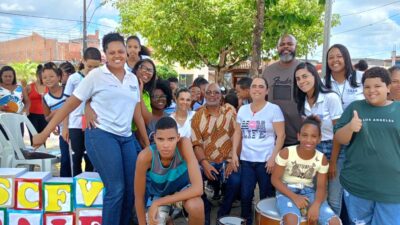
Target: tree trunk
(257, 43)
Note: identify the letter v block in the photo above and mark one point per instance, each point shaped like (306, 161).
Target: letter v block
(24, 217)
(28, 194)
(59, 219)
(89, 190)
(7, 181)
(57, 193)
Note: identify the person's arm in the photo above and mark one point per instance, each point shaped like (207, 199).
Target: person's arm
(46, 110)
(26, 101)
(279, 128)
(236, 141)
(334, 156)
(143, 163)
(71, 104)
(90, 116)
(137, 117)
(344, 134)
(276, 180)
(147, 115)
(320, 194)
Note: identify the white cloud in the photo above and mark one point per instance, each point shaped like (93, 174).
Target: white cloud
(369, 34)
(111, 25)
(5, 22)
(8, 7)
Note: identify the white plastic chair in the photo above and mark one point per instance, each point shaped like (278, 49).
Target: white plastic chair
(25, 155)
(6, 152)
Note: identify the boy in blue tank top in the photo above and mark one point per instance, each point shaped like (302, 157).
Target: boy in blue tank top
(168, 172)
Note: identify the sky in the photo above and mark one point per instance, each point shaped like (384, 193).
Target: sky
(368, 28)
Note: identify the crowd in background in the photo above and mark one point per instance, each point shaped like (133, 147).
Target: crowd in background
(280, 131)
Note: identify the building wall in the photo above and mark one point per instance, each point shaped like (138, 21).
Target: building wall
(39, 49)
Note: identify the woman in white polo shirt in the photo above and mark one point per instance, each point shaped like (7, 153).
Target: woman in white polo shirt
(114, 94)
(313, 98)
(341, 76)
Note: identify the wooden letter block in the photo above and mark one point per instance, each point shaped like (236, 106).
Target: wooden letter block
(89, 190)
(24, 217)
(59, 219)
(29, 195)
(7, 181)
(88, 216)
(58, 194)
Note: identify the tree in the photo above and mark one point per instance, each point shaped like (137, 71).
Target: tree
(218, 33)
(26, 71)
(165, 72)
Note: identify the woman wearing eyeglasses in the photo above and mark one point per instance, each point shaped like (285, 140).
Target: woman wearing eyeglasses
(161, 98)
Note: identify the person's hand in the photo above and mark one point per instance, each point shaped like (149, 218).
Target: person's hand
(209, 169)
(234, 162)
(38, 140)
(270, 164)
(332, 170)
(4, 108)
(90, 116)
(141, 85)
(65, 134)
(355, 123)
(152, 214)
(313, 213)
(56, 131)
(300, 201)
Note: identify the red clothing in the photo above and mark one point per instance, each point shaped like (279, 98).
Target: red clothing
(36, 100)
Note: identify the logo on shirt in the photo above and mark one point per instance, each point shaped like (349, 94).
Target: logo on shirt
(133, 88)
(282, 89)
(254, 129)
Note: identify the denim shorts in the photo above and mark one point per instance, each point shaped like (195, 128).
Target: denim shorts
(326, 148)
(286, 206)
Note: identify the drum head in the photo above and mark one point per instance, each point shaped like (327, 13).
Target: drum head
(267, 207)
(231, 220)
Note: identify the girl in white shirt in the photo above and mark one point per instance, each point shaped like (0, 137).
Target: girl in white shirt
(313, 98)
(261, 127)
(341, 77)
(114, 94)
(183, 114)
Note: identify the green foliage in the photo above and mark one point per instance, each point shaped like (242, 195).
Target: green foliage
(218, 33)
(165, 72)
(26, 71)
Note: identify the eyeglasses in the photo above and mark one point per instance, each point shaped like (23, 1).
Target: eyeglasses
(159, 97)
(213, 93)
(146, 69)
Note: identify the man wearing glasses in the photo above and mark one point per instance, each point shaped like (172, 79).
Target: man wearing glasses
(212, 130)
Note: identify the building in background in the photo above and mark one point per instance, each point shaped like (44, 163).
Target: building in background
(37, 48)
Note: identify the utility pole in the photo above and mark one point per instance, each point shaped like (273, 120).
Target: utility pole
(327, 34)
(84, 41)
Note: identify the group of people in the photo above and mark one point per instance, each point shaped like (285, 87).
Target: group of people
(311, 142)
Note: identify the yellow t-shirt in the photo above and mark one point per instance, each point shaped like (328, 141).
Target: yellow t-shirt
(299, 171)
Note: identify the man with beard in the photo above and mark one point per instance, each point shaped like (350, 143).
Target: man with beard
(280, 77)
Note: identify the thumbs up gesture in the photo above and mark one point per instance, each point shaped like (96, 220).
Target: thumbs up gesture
(355, 123)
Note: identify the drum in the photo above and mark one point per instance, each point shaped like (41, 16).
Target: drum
(267, 213)
(231, 220)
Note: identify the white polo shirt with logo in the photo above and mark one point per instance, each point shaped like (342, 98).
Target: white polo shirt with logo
(114, 102)
(347, 93)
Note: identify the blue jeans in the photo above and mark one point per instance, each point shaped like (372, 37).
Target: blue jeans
(335, 189)
(286, 206)
(65, 170)
(253, 173)
(232, 190)
(368, 212)
(114, 157)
